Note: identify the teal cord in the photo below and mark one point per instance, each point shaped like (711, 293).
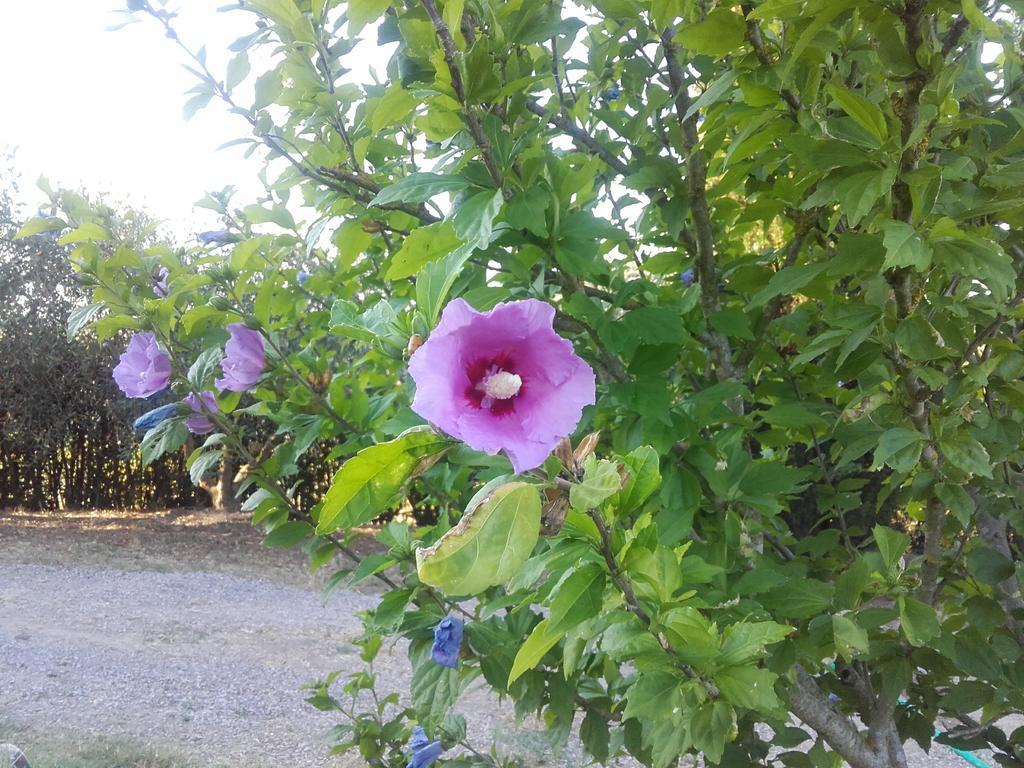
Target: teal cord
(963, 754)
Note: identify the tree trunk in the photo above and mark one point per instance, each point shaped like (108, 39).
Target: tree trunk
(221, 488)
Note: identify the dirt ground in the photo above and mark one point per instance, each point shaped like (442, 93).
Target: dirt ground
(163, 540)
(176, 640)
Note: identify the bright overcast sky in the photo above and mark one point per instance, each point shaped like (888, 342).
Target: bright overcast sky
(102, 110)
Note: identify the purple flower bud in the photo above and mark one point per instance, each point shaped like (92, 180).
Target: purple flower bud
(244, 359)
(686, 277)
(832, 698)
(160, 282)
(302, 277)
(424, 751)
(217, 237)
(447, 642)
(202, 406)
(144, 368)
(155, 417)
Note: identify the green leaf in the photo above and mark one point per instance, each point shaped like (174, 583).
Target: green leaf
(904, 247)
(541, 640)
(596, 736)
(578, 598)
(966, 454)
(351, 240)
(39, 224)
(267, 88)
(201, 462)
(164, 438)
(892, 545)
(865, 114)
(749, 687)
(979, 257)
(81, 317)
(746, 641)
(733, 323)
(204, 367)
(238, 69)
(799, 599)
(434, 687)
(900, 448)
(366, 483)
(88, 232)
(363, 12)
(419, 187)
(719, 33)
(967, 696)
(918, 340)
(391, 109)
(957, 501)
(422, 246)
(474, 218)
(600, 480)
(989, 566)
(644, 465)
(664, 12)
(489, 544)
(858, 193)
(288, 534)
(919, 622)
(978, 19)
(196, 103)
(653, 696)
(714, 92)
(435, 281)
(850, 638)
(786, 281)
(275, 214)
(713, 725)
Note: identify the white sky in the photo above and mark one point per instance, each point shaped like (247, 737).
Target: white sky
(102, 110)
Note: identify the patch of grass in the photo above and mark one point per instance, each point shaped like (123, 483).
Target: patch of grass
(68, 750)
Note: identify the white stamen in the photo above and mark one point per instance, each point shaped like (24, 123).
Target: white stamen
(502, 385)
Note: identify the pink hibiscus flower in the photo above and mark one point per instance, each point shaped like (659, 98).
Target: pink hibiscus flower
(502, 380)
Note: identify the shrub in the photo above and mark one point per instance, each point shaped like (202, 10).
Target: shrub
(783, 235)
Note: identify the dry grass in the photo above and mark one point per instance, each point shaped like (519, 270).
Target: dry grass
(51, 750)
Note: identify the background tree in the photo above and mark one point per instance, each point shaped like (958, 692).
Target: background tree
(784, 234)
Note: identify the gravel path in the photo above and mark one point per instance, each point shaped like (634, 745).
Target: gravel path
(210, 664)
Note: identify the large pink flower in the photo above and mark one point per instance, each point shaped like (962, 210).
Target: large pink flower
(144, 368)
(502, 380)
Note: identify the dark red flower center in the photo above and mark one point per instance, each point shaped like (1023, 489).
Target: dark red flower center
(494, 384)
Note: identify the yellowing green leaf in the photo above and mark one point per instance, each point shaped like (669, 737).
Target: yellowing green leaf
(488, 545)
